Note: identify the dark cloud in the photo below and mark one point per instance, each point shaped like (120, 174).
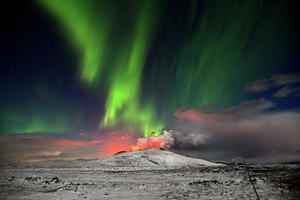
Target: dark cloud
(275, 82)
(249, 108)
(248, 130)
(245, 109)
(283, 92)
(259, 86)
(286, 91)
(284, 79)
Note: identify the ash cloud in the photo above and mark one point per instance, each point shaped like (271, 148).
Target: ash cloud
(249, 130)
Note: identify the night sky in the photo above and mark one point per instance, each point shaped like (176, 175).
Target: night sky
(85, 65)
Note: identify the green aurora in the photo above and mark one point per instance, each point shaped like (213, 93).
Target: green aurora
(121, 49)
(151, 62)
(208, 64)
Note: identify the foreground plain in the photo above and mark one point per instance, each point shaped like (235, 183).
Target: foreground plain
(81, 179)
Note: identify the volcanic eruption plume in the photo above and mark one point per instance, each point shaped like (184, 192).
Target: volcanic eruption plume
(129, 142)
(164, 141)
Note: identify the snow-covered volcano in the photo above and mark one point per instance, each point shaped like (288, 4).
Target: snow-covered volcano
(153, 159)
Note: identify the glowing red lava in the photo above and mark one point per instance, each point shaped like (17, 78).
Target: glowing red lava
(127, 144)
(117, 143)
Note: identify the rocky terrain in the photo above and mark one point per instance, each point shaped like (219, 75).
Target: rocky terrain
(148, 175)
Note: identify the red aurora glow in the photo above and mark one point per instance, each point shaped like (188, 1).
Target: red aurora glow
(98, 145)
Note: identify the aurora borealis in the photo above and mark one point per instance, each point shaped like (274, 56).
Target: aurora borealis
(125, 55)
(134, 63)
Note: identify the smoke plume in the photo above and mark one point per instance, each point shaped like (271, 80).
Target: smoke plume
(239, 132)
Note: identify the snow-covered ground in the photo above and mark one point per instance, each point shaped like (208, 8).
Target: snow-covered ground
(147, 175)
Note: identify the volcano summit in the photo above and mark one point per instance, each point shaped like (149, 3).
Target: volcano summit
(153, 159)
